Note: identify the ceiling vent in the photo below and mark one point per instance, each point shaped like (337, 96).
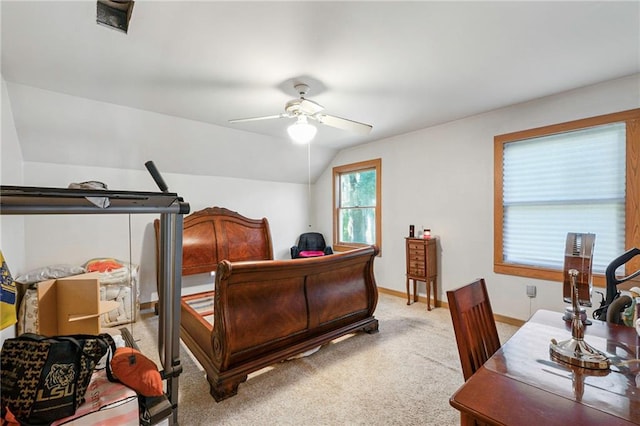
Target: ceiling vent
(114, 14)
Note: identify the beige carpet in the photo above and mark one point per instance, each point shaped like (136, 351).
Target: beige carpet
(403, 375)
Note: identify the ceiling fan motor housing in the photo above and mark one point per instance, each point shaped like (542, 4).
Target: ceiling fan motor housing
(293, 107)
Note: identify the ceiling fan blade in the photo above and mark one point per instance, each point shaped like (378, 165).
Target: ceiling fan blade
(266, 117)
(343, 123)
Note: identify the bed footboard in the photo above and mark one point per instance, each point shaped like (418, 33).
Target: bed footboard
(269, 311)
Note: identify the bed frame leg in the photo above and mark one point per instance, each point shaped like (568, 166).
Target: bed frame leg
(371, 328)
(223, 390)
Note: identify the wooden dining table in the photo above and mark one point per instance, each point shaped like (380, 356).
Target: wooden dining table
(521, 384)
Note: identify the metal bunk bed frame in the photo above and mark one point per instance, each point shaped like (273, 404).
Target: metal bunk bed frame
(24, 200)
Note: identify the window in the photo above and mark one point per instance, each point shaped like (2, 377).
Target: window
(357, 199)
(581, 176)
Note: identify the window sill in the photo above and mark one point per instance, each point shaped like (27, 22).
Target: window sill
(345, 247)
(540, 273)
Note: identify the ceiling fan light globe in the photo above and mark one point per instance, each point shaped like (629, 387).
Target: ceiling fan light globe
(302, 132)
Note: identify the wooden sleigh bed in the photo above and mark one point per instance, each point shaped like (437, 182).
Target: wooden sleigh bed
(263, 311)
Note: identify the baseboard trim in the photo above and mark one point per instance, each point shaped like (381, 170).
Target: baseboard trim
(147, 305)
(443, 304)
(393, 292)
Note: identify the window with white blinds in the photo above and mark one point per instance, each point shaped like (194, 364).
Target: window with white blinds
(568, 182)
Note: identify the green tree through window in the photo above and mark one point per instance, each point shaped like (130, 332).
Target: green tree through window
(357, 207)
(357, 204)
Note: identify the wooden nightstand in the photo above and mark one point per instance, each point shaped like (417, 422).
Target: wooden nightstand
(422, 266)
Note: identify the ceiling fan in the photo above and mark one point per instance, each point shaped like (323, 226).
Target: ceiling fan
(304, 109)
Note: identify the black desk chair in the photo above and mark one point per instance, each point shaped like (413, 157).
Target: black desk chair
(310, 244)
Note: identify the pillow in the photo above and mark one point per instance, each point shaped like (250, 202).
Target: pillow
(311, 253)
(137, 371)
(49, 272)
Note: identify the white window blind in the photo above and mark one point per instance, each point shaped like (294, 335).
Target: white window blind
(569, 182)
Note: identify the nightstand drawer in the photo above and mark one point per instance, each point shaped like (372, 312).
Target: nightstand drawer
(419, 246)
(417, 263)
(417, 272)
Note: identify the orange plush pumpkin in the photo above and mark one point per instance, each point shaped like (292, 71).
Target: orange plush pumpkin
(137, 371)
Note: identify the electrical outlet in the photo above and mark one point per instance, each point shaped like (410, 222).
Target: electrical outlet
(531, 291)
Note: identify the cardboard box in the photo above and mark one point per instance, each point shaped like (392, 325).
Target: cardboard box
(71, 305)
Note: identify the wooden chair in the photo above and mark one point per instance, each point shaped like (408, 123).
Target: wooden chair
(474, 325)
(475, 329)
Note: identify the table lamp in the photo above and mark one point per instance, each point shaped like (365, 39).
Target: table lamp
(576, 351)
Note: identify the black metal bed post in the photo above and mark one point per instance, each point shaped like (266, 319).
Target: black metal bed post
(16, 200)
(169, 294)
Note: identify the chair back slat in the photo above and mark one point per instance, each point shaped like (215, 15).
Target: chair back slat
(474, 325)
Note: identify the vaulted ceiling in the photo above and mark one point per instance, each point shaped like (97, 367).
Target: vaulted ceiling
(85, 94)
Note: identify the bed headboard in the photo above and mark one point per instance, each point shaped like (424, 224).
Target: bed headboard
(215, 234)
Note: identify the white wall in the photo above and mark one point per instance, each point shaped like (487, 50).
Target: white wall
(442, 178)
(74, 239)
(11, 227)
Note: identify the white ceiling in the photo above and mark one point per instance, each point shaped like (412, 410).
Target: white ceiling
(84, 94)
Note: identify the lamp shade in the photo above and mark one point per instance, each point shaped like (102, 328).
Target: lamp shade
(301, 131)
